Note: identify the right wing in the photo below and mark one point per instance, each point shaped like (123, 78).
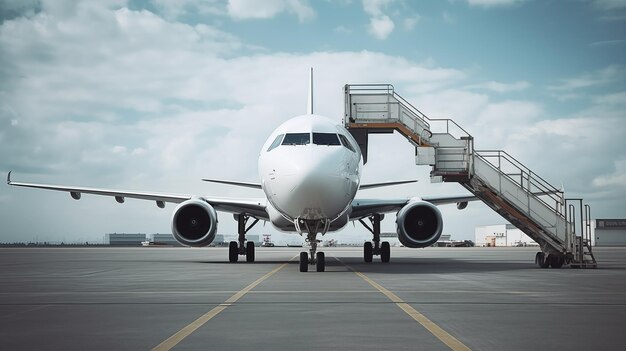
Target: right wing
(366, 207)
(252, 207)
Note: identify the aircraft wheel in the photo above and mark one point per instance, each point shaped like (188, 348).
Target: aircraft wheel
(385, 251)
(320, 264)
(250, 251)
(368, 251)
(233, 251)
(304, 262)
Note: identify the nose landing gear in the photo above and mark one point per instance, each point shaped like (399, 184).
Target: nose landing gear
(312, 257)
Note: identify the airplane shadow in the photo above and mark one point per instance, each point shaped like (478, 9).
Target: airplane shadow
(402, 265)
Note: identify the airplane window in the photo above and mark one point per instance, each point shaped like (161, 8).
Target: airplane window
(297, 139)
(275, 143)
(325, 139)
(346, 143)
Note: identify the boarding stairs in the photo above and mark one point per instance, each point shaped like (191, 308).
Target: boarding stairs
(503, 183)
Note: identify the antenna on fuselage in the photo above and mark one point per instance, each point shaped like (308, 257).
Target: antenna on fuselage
(310, 105)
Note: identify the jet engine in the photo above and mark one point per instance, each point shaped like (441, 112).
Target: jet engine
(194, 223)
(419, 224)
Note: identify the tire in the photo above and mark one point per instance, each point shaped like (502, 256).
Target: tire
(304, 262)
(541, 260)
(250, 251)
(556, 261)
(385, 251)
(233, 252)
(320, 263)
(368, 252)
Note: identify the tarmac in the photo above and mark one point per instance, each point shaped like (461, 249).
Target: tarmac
(193, 299)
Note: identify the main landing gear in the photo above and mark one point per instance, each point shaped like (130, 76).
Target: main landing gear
(241, 247)
(377, 248)
(316, 258)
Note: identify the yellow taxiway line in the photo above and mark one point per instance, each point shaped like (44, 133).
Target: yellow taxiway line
(193, 326)
(452, 342)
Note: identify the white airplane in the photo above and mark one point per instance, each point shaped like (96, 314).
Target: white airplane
(310, 171)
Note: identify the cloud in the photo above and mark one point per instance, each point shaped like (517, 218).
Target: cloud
(253, 9)
(502, 87)
(494, 3)
(174, 9)
(410, 22)
(380, 24)
(610, 4)
(615, 179)
(601, 77)
(380, 27)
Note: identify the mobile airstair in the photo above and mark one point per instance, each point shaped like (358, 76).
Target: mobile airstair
(503, 183)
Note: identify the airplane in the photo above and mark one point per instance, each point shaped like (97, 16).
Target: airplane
(310, 172)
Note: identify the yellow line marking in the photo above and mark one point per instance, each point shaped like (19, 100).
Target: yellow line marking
(193, 326)
(452, 342)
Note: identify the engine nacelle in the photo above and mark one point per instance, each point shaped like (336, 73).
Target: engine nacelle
(419, 224)
(194, 223)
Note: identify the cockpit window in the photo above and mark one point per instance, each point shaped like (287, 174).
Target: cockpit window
(297, 139)
(325, 139)
(346, 142)
(276, 142)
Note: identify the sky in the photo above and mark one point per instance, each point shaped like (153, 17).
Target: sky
(157, 94)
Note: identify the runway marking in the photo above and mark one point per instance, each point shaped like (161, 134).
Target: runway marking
(193, 326)
(452, 342)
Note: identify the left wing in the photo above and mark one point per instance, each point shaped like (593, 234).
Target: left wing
(253, 207)
(365, 207)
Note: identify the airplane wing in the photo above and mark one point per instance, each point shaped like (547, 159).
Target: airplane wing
(365, 207)
(258, 186)
(253, 207)
(380, 185)
(229, 182)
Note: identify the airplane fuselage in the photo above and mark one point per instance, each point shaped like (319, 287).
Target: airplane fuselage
(310, 169)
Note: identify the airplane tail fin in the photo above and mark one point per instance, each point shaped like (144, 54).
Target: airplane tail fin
(309, 109)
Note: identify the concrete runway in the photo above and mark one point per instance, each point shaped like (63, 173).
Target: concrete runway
(192, 299)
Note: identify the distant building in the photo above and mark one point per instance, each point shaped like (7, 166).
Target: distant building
(115, 239)
(165, 239)
(391, 237)
(501, 235)
(608, 232)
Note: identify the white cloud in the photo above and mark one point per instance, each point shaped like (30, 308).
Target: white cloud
(343, 30)
(610, 4)
(612, 99)
(586, 80)
(493, 3)
(253, 9)
(380, 27)
(174, 9)
(617, 178)
(502, 87)
(410, 22)
(380, 24)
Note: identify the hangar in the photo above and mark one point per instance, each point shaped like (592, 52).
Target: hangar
(609, 232)
(118, 239)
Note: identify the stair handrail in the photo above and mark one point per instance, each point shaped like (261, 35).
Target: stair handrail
(544, 187)
(390, 90)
